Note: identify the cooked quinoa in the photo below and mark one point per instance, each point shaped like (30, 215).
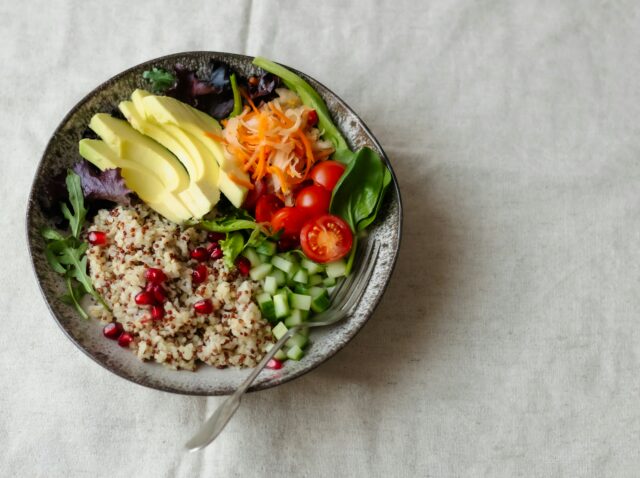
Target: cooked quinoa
(137, 238)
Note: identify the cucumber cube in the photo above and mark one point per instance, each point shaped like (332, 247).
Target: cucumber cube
(301, 289)
(268, 248)
(295, 318)
(265, 302)
(336, 269)
(310, 266)
(283, 264)
(320, 302)
(329, 281)
(252, 255)
(301, 277)
(280, 354)
(270, 284)
(299, 301)
(297, 340)
(281, 278)
(281, 305)
(316, 279)
(279, 330)
(260, 272)
(264, 258)
(295, 353)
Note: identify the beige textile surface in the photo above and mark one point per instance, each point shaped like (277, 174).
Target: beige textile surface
(508, 342)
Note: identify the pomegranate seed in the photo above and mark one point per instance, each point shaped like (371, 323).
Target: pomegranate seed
(312, 118)
(157, 312)
(155, 276)
(216, 236)
(144, 298)
(125, 339)
(199, 274)
(274, 364)
(159, 294)
(199, 254)
(203, 307)
(216, 254)
(149, 287)
(243, 265)
(113, 330)
(97, 238)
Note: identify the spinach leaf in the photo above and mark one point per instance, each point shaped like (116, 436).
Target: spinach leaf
(232, 246)
(386, 180)
(357, 193)
(312, 99)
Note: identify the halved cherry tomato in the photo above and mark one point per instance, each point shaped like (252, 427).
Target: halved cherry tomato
(326, 239)
(289, 219)
(327, 173)
(314, 200)
(267, 206)
(259, 188)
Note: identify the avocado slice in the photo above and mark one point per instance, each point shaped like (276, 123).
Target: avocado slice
(137, 178)
(126, 142)
(167, 111)
(202, 193)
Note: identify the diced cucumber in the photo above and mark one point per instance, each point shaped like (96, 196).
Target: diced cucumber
(260, 272)
(264, 258)
(329, 281)
(299, 301)
(251, 254)
(336, 269)
(320, 302)
(294, 270)
(331, 289)
(283, 264)
(316, 291)
(268, 248)
(295, 318)
(281, 305)
(265, 302)
(281, 278)
(298, 340)
(312, 267)
(305, 315)
(280, 354)
(270, 284)
(279, 330)
(315, 279)
(295, 353)
(301, 277)
(301, 289)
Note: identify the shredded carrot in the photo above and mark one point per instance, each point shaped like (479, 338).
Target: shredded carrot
(214, 136)
(274, 141)
(240, 181)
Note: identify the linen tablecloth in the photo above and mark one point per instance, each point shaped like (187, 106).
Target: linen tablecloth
(507, 343)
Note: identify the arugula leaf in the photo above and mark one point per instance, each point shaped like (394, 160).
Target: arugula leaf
(312, 99)
(66, 255)
(76, 220)
(160, 79)
(232, 246)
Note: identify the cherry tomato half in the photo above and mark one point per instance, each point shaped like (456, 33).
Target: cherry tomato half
(267, 206)
(327, 173)
(314, 200)
(326, 239)
(289, 219)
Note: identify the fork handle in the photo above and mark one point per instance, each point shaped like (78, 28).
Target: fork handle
(216, 423)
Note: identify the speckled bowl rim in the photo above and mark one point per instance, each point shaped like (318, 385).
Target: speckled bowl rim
(332, 350)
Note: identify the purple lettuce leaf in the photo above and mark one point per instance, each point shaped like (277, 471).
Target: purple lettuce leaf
(107, 185)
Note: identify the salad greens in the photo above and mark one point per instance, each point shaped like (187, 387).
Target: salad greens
(66, 255)
(237, 99)
(312, 99)
(159, 79)
(107, 185)
(232, 246)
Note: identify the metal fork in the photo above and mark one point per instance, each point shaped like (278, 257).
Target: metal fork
(345, 297)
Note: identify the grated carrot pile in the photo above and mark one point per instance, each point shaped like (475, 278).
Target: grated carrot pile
(275, 141)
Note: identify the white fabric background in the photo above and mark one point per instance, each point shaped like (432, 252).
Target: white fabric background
(508, 343)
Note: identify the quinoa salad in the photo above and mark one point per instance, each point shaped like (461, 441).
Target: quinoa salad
(172, 332)
(211, 213)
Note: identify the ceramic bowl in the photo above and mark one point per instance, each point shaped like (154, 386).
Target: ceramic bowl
(62, 152)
